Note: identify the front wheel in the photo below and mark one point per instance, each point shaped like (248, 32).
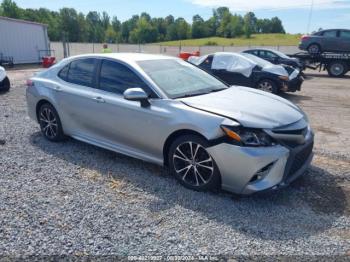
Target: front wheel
(50, 123)
(192, 165)
(267, 85)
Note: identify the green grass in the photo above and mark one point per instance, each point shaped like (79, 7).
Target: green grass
(254, 40)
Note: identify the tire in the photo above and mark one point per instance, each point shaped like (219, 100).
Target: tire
(337, 69)
(50, 123)
(5, 85)
(314, 49)
(267, 85)
(199, 173)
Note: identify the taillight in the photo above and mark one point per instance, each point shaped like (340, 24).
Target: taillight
(305, 37)
(29, 83)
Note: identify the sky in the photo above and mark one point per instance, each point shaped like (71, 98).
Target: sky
(293, 13)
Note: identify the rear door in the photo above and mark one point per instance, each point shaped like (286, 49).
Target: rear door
(76, 96)
(344, 39)
(329, 41)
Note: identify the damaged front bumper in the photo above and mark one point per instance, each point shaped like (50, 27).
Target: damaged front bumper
(296, 79)
(247, 170)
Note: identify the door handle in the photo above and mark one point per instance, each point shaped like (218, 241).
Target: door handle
(99, 99)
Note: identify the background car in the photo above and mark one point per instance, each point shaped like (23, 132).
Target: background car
(332, 40)
(4, 80)
(276, 57)
(251, 71)
(166, 111)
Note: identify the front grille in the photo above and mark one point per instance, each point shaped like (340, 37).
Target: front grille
(302, 131)
(300, 158)
(291, 143)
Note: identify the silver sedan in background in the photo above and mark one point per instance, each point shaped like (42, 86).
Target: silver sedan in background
(166, 111)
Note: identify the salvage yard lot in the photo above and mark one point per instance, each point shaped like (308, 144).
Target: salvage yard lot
(74, 198)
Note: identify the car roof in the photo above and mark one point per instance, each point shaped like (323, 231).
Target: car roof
(259, 49)
(226, 53)
(126, 57)
(334, 29)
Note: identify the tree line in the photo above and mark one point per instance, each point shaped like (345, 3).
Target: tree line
(75, 26)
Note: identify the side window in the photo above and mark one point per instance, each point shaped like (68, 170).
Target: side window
(206, 64)
(63, 74)
(267, 54)
(345, 34)
(331, 33)
(81, 72)
(116, 78)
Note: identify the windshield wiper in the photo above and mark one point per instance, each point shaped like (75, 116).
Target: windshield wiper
(217, 90)
(189, 95)
(202, 93)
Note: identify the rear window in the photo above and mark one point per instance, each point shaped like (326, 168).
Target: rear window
(81, 72)
(267, 54)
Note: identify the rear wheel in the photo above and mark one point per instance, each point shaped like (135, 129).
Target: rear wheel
(267, 85)
(50, 123)
(337, 69)
(314, 49)
(192, 165)
(5, 85)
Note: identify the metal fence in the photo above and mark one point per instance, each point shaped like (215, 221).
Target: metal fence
(85, 48)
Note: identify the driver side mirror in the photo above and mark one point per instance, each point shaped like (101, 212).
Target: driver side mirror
(137, 94)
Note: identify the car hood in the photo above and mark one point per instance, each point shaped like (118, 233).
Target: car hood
(291, 60)
(250, 107)
(275, 69)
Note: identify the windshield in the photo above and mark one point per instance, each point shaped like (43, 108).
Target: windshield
(280, 54)
(178, 78)
(259, 61)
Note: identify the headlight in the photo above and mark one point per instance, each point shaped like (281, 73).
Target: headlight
(284, 78)
(247, 137)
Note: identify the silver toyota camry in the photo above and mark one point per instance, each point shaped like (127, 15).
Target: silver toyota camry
(166, 111)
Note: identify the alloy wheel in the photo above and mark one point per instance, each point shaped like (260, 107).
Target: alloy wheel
(265, 86)
(48, 123)
(193, 164)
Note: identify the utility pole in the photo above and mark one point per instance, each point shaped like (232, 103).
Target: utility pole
(310, 16)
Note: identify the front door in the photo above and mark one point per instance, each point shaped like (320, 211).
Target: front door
(126, 124)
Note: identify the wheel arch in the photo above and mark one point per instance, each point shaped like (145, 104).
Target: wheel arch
(171, 138)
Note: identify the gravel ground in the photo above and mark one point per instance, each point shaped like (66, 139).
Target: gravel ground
(74, 198)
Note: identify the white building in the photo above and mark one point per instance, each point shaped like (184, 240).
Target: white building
(25, 41)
